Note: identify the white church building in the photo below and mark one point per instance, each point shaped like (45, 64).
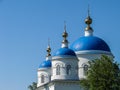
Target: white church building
(69, 65)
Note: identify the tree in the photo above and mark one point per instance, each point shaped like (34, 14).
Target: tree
(33, 86)
(103, 74)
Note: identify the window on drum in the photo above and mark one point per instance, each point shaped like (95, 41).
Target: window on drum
(85, 69)
(68, 69)
(58, 70)
(42, 78)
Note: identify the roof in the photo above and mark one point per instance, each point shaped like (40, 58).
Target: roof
(45, 64)
(65, 51)
(89, 43)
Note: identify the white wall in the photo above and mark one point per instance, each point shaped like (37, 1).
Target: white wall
(47, 73)
(63, 62)
(85, 57)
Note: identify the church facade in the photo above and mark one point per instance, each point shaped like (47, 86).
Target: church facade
(69, 65)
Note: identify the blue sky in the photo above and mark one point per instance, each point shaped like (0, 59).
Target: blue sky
(26, 25)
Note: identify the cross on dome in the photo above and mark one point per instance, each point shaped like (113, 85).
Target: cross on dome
(48, 49)
(88, 21)
(64, 35)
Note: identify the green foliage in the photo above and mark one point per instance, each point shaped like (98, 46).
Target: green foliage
(33, 86)
(103, 74)
(85, 84)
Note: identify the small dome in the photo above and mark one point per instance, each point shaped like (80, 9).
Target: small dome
(45, 64)
(65, 51)
(89, 43)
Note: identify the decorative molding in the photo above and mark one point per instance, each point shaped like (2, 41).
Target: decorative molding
(64, 56)
(93, 52)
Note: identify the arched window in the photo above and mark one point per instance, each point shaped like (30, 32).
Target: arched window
(42, 78)
(68, 69)
(58, 70)
(85, 68)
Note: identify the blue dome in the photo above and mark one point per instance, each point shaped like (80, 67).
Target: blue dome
(65, 51)
(89, 43)
(45, 64)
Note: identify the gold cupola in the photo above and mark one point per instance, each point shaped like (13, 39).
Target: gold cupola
(65, 35)
(48, 50)
(88, 21)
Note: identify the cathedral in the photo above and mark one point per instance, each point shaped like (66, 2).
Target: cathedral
(65, 69)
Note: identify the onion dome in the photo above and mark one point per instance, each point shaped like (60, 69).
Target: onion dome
(88, 41)
(64, 50)
(47, 62)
